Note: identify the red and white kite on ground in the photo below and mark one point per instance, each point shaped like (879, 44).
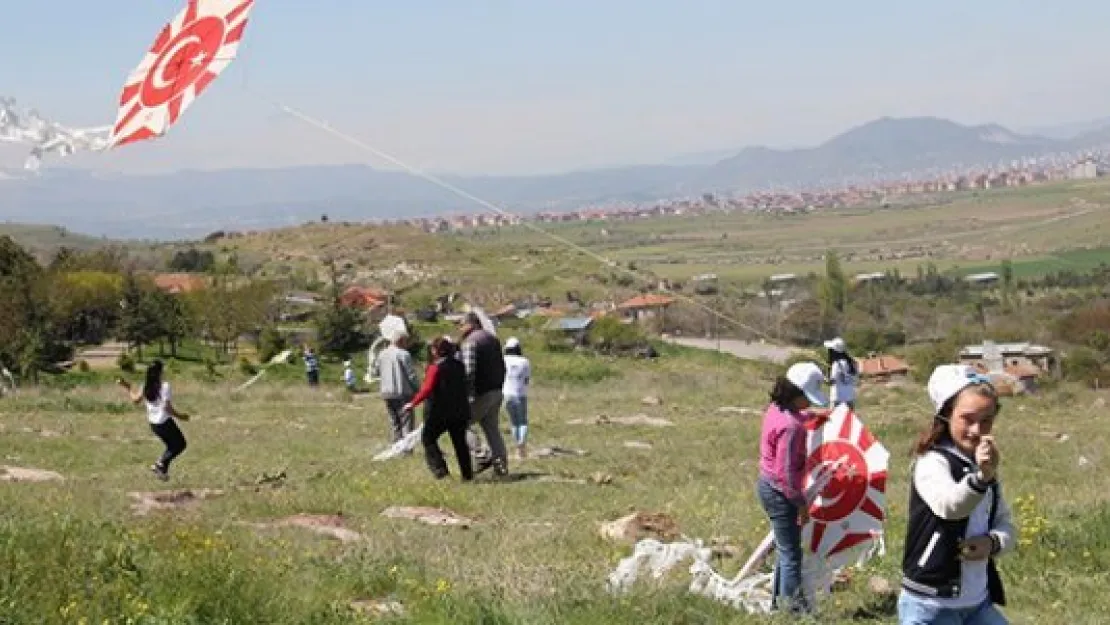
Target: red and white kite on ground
(189, 53)
(846, 471)
(847, 467)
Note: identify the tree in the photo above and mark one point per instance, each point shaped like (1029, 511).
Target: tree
(231, 307)
(175, 320)
(834, 292)
(28, 339)
(139, 322)
(341, 329)
(85, 304)
(192, 260)
(1007, 283)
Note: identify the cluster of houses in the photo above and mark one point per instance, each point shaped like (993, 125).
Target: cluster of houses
(1017, 174)
(1012, 367)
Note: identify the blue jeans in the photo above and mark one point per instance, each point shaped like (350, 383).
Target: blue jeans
(788, 545)
(518, 417)
(913, 611)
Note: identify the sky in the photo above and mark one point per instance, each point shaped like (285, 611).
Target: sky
(539, 86)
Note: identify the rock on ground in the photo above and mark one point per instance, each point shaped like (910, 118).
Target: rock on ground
(21, 474)
(429, 516)
(639, 525)
(147, 502)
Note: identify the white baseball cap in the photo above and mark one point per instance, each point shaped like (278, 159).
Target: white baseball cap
(837, 345)
(809, 378)
(512, 343)
(948, 380)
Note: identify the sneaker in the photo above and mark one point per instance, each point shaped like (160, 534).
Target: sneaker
(482, 465)
(159, 472)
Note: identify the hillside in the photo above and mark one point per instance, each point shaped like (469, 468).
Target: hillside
(45, 241)
(190, 204)
(418, 265)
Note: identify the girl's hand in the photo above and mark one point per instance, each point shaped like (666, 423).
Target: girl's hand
(986, 456)
(975, 549)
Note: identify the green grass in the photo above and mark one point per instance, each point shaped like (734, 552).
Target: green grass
(73, 552)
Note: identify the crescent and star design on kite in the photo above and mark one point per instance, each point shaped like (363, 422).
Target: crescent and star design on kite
(187, 56)
(851, 495)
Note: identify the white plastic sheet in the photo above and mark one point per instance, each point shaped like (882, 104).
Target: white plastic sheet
(45, 137)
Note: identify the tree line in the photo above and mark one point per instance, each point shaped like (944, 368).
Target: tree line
(49, 310)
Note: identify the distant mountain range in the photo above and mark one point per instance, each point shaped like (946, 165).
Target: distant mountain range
(193, 203)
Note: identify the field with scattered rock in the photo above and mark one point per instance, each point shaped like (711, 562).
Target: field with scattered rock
(276, 513)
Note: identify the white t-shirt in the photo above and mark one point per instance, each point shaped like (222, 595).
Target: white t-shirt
(843, 382)
(518, 372)
(156, 411)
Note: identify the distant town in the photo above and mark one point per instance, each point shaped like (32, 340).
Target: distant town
(1027, 172)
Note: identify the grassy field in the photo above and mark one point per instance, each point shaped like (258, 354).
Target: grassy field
(74, 552)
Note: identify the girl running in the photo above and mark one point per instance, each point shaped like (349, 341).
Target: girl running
(160, 412)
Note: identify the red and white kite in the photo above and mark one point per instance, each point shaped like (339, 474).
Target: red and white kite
(187, 56)
(847, 467)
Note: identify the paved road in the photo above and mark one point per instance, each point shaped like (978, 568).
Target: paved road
(740, 349)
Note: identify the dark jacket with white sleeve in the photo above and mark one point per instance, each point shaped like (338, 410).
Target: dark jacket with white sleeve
(948, 503)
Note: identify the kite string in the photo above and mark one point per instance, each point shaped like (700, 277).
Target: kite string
(326, 127)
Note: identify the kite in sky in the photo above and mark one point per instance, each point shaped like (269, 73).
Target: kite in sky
(190, 52)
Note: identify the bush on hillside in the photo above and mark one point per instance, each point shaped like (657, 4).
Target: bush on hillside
(925, 358)
(863, 340)
(1086, 366)
(271, 342)
(246, 367)
(126, 363)
(608, 335)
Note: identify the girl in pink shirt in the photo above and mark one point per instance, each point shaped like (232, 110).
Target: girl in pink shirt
(782, 457)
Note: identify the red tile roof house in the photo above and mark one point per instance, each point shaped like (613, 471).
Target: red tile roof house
(883, 368)
(179, 282)
(365, 298)
(646, 306)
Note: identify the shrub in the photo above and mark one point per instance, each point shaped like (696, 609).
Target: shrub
(83, 366)
(608, 335)
(1087, 367)
(924, 359)
(126, 363)
(246, 367)
(271, 342)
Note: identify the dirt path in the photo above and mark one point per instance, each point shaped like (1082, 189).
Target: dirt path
(741, 349)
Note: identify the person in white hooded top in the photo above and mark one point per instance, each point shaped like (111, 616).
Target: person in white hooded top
(518, 375)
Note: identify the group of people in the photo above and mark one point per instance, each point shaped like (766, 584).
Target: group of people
(465, 384)
(958, 520)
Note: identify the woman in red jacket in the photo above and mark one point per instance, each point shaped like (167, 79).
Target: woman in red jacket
(445, 390)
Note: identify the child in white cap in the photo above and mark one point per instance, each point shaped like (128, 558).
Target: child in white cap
(782, 459)
(518, 375)
(843, 373)
(958, 520)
